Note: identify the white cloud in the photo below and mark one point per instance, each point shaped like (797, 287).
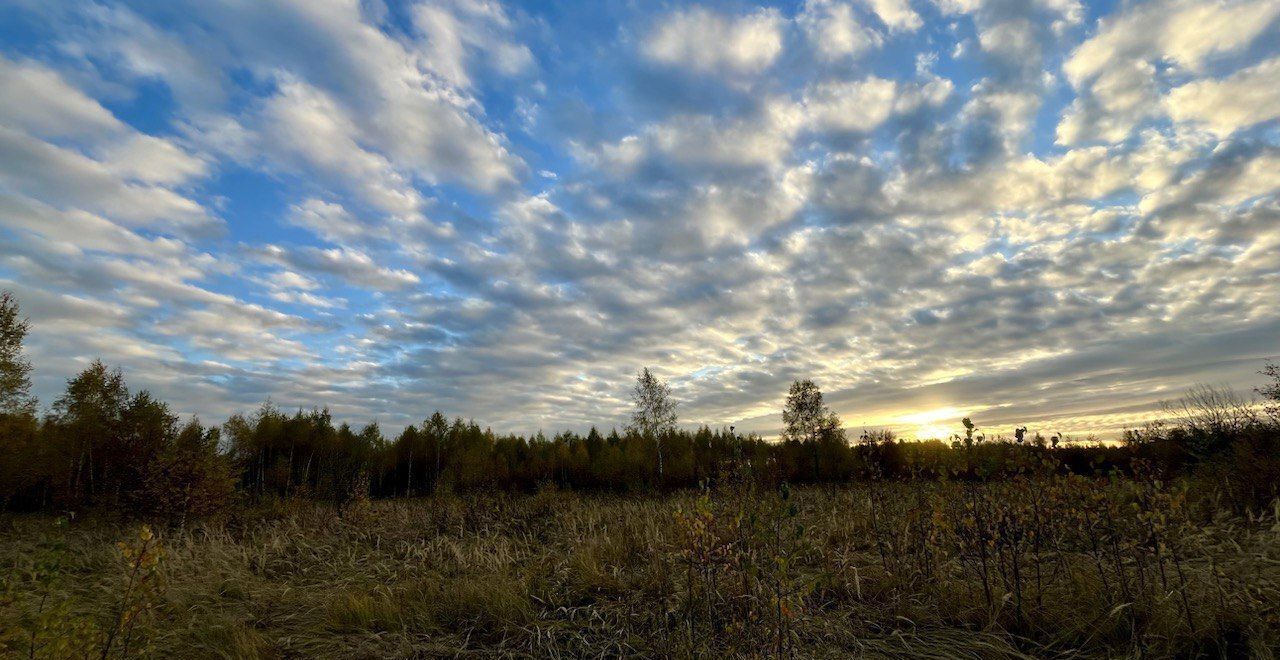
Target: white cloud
(1117, 70)
(60, 177)
(1229, 182)
(459, 32)
(327, 220)
(835, 31)
(897, 14)
(90, 160)
(1245, 98)
(37, 100)
(1118, 99)
(404, 98)
(125, 40)
(351, 265)
(307, 124)
(1183, 32)
(151, 160)
(863, 105)
(242, 332)
(708, 42)
(80, 229)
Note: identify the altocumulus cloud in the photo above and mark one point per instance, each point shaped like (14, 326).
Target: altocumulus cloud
(1042, 212)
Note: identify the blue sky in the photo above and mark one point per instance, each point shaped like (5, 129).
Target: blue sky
(1049, 212)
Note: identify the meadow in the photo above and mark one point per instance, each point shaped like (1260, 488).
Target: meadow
(1039, 564)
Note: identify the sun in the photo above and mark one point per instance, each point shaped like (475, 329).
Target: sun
(936, 423)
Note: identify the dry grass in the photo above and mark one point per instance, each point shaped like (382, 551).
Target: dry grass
(872, 570)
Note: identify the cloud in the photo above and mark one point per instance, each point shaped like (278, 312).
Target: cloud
(862, 106)
(351, 265)
(330, 203)
(81, 230)
(327, 220)
(835, 31)
(1246, 97)
(897, 14)
(63, 147)
(708, 42)
(1014, 36)
(61, 176)
(696, 141)
(238, 332)
(1119, 99)
(460, 32)
(1119, 71)
(314, 131)
(406, 99)
(37, 100)
(1186, 33)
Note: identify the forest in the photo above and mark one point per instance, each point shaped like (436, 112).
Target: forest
(129, 530)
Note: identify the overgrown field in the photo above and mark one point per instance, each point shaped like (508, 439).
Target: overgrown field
(1050, 565)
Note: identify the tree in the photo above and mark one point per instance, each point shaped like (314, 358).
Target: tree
(192, 479)
(1271, 391)
(15, 369)
(807, 420)
(21, 467)
(91, 414)
(437, 429)
(805, 417)
(1212, 417)
(655, 412)
(147, 429)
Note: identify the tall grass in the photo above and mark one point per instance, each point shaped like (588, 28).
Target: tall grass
(1042, 563)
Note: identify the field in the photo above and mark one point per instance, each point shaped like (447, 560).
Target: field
(1049, 565)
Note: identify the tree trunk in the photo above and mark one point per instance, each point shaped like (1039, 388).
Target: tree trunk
(660, 461)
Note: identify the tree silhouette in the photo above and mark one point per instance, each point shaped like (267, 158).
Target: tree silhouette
(1271, 391)
(808, 421)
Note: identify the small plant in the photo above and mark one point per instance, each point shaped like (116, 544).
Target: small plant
(705, 552)
(139, 592)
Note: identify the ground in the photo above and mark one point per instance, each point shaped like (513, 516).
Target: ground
(1015, 569)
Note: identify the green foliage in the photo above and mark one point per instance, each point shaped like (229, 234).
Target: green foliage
(47, 627)
(15, 369)
(51, 623)
(103, 447)
(654, 416)
(139, 592)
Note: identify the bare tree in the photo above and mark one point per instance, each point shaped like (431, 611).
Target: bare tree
(1212, 409)
(1271, 391)
(655, 412)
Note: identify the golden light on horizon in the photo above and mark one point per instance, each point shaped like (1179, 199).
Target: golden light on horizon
(933, 432)
(939, 423)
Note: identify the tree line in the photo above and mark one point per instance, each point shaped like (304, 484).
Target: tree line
(102, 445)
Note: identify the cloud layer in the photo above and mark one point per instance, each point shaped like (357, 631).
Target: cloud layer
(1038, 212)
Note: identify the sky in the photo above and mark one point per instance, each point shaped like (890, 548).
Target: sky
(1042, 212)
